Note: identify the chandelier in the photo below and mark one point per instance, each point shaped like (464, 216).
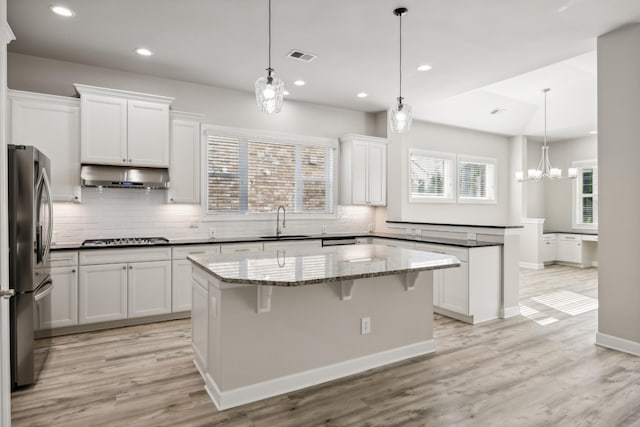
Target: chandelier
(544, 168)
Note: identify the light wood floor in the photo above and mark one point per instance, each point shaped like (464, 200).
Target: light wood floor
(516, 372)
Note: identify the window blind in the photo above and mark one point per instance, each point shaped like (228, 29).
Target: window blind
(256, 175)
(431, 176)
(476, 180)
(587, 196)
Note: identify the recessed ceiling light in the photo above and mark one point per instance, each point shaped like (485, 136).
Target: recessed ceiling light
(285, 93)
(362, 95)
(593, 132)
(299, 83)
(424, 67)
(62, 11)
(143, 51)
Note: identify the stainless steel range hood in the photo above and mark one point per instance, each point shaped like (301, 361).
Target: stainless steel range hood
(124, 177)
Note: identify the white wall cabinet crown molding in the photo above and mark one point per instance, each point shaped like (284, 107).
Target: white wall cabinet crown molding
(363, 170)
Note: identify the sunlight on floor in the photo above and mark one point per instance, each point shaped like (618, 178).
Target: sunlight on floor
(568, 302)
(536, 316)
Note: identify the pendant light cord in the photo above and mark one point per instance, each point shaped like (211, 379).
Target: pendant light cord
(545, 116)
(269, 36)
(400, 65)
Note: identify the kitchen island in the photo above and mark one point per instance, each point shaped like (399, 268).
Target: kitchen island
(266, 323)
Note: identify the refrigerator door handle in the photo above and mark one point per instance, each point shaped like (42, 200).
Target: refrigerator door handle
(45, 290)
(7, 293)
(47, 187)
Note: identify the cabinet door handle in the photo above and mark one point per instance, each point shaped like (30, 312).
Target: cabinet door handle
(199, 252)
(124, 268)
(129, 160)
(130, 267)
(73, 271)
(124, 160)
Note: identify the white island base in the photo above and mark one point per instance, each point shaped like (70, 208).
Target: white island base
(252, 341)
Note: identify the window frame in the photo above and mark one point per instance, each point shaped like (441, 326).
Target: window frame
(483, 160)
(453, 176)
(577, 195)
(281, 137)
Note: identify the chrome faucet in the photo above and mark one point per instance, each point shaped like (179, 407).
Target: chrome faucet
(284, 218)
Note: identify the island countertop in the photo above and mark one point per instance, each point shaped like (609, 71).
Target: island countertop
(319, 265)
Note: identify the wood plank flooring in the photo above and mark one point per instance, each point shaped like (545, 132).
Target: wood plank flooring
(525, 371)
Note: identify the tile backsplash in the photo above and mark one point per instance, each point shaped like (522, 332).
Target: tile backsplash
(136, 213)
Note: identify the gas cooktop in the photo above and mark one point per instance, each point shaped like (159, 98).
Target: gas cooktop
(126, 241)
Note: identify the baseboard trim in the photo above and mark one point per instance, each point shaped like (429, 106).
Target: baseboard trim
(532, 265)
(90, 327)
(507, 312)
(252, 393)
(616, 343)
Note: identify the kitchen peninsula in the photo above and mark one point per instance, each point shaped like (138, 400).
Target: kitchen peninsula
(266, 323)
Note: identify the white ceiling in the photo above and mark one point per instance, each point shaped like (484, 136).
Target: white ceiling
(482, 52)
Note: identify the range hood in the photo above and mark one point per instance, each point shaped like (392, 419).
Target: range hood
(124, 177)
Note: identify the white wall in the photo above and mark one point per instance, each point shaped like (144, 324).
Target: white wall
(559, 194)
(533, 191)
(430, 136)
(121, 212)
(618, 154)
(224, 107)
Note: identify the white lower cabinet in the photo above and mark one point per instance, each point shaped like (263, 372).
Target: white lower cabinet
(569, 248)
(102, 293)
(454, 293)
(472, 291)
(181, 273)
(149, 288)
(117, 284)
(64, 299)
(549, 248)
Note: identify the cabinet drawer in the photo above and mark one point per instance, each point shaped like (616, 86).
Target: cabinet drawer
(230, 248)
(113, 256)
(183, 251)
(63, 259)
(300, 245)
(570, 237)
(547, 237)
(394, 243)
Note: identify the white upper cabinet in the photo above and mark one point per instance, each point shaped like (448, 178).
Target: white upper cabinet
(51, 124)
(124, 128)
(363, 170)
(184, 168)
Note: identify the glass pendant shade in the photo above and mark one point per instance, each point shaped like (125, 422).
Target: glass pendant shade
(400, 117)
(269, 93)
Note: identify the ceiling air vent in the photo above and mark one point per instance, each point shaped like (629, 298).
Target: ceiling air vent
(301, 56)
(498, 110)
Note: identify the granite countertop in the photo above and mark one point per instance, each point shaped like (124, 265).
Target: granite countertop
(319, 265)
(204, 241)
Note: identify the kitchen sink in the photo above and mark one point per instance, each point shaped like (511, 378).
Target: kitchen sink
(285, 236)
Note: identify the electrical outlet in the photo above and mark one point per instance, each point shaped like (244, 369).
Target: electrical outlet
(365, 325)
(323, 229)
(212, 233)
(472, 236)
(195, 222)
(370, 228)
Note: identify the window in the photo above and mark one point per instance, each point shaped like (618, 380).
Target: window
(252, 174)
(431, 176)
(586, 190)
(476, 180)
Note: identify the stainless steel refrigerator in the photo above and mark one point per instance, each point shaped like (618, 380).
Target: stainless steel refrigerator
(30, 235)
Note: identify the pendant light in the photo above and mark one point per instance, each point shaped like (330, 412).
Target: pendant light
(400, 116)
(269, 88)
(544, 168)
